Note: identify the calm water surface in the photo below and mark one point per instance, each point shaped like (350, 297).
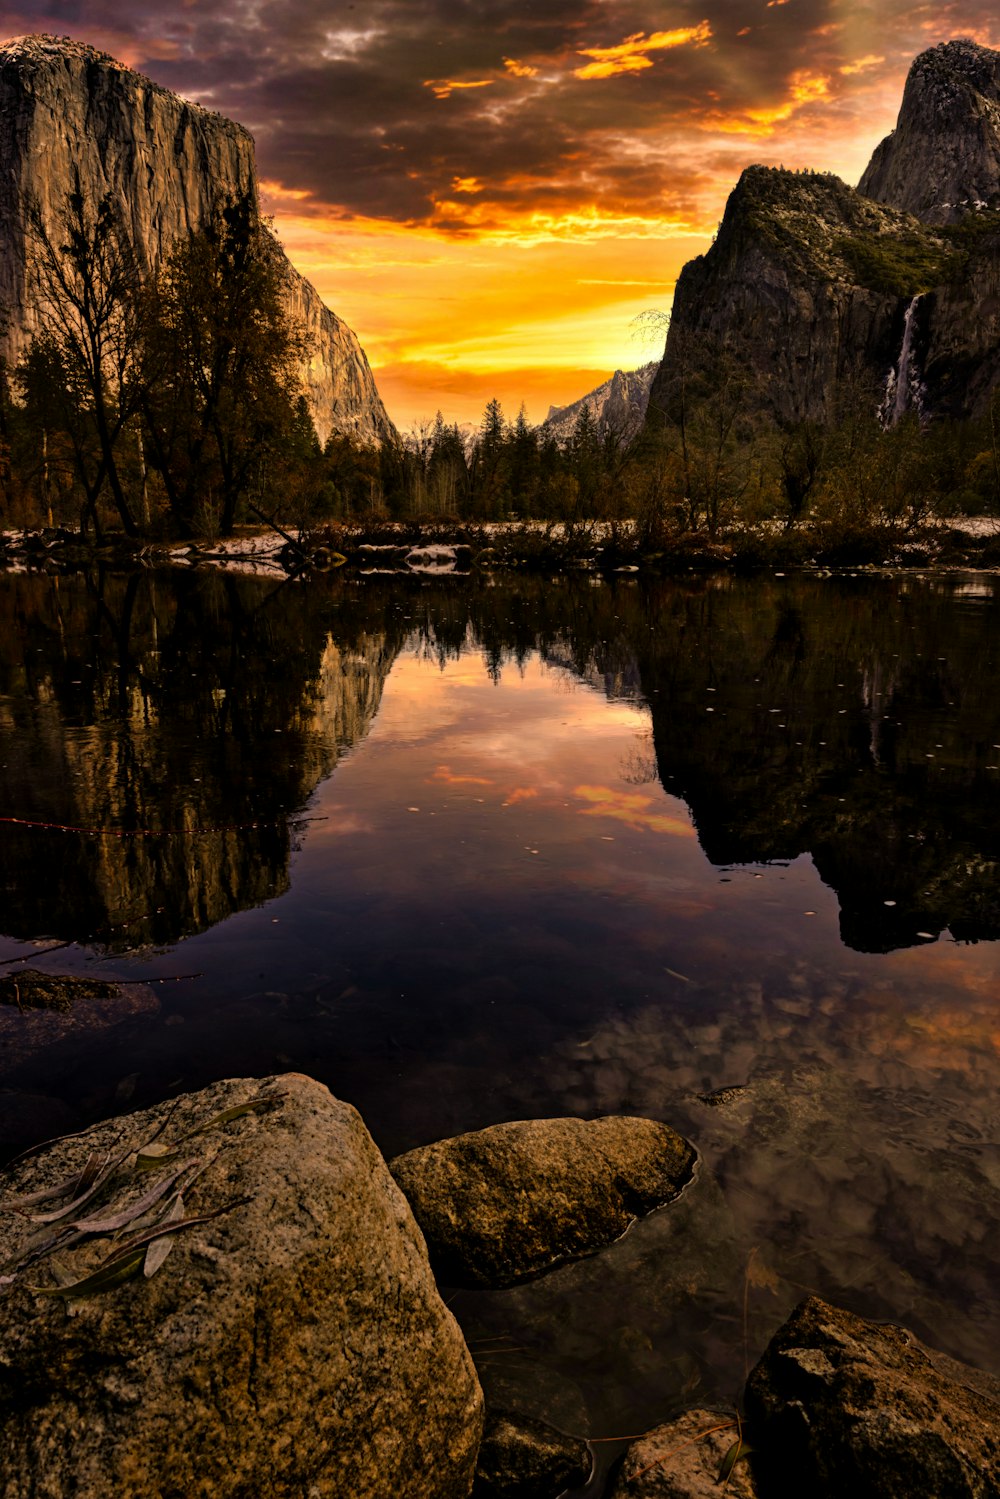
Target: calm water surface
(471, 851)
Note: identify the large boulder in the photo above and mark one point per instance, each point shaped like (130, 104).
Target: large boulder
(505, 1203)
(691, 1457)
(844, 1406)
(292, 1344)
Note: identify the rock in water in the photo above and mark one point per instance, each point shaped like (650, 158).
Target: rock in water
(508, 1202)
(68, 109)
(686, 1459)
(525, 1459)
(294, 1345)
(841, 1406)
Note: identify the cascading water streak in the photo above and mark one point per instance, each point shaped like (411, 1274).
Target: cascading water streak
(904, 390)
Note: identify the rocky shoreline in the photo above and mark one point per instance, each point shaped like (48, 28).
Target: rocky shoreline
(232, 1293)
(440, 549)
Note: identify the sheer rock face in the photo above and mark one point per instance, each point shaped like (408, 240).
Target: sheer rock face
(292, 1344)
(943, 158)
(844, 1406)
(780, 289)
(66, 109)
(808, 282)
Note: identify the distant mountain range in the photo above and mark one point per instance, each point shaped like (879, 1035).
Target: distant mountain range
(814, 287)
(620, 403)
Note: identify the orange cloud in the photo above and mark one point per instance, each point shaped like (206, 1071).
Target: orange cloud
(633, 809)
(519, 69)
(500, 224)
(466, 185)
(861, 65)
(805, 88)
(630, 56)
(443, 88)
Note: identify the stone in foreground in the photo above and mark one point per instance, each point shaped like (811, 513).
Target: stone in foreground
(525, 1459)
(505, 1203)
(841, 1406)
(686, 1459)
(294, 1344)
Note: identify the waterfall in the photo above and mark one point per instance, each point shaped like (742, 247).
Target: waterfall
(904, 390)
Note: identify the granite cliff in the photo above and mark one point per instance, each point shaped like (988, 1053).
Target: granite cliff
(816, 286)
(943, 158)
(619, 405)
(66, 108)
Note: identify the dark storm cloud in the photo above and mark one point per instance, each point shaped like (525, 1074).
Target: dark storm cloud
(380, 108)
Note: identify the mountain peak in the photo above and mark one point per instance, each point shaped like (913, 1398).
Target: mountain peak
(942, 161)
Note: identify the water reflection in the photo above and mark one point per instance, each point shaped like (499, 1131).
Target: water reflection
(599, 848)
(180, 721)
(156, 733)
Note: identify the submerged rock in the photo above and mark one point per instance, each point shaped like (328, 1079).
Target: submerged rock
(38, 1010)
(293, 1343)
(29, 989)
(686, 1459)
(525, 1459)
(843, 1406)
(505, 1203)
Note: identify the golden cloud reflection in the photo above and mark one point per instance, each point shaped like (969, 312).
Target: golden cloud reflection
(445, 775)
(443, 88)
(519, 794)
(519, 69)
(632, 808)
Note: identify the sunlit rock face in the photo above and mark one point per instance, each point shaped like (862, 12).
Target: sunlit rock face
(943, 158)
(809, 281)
(66, 109)
(618, 406)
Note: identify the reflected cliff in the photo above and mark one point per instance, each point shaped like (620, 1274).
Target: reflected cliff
(158, 734)
(182, 721)
(855, 719)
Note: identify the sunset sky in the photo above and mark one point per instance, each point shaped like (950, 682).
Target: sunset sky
(491, 191)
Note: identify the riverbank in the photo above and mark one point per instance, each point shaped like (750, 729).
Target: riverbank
(438, 547)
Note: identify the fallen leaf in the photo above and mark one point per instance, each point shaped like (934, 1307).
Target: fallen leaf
(112, 1273)
(161, 1247)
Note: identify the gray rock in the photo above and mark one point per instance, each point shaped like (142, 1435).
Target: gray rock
(843, 1406)
(943, 157)
(505, 1203)
(524, 1459)
(293, 1345)
(618, 406)
(169, 161)
(683, 1460)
